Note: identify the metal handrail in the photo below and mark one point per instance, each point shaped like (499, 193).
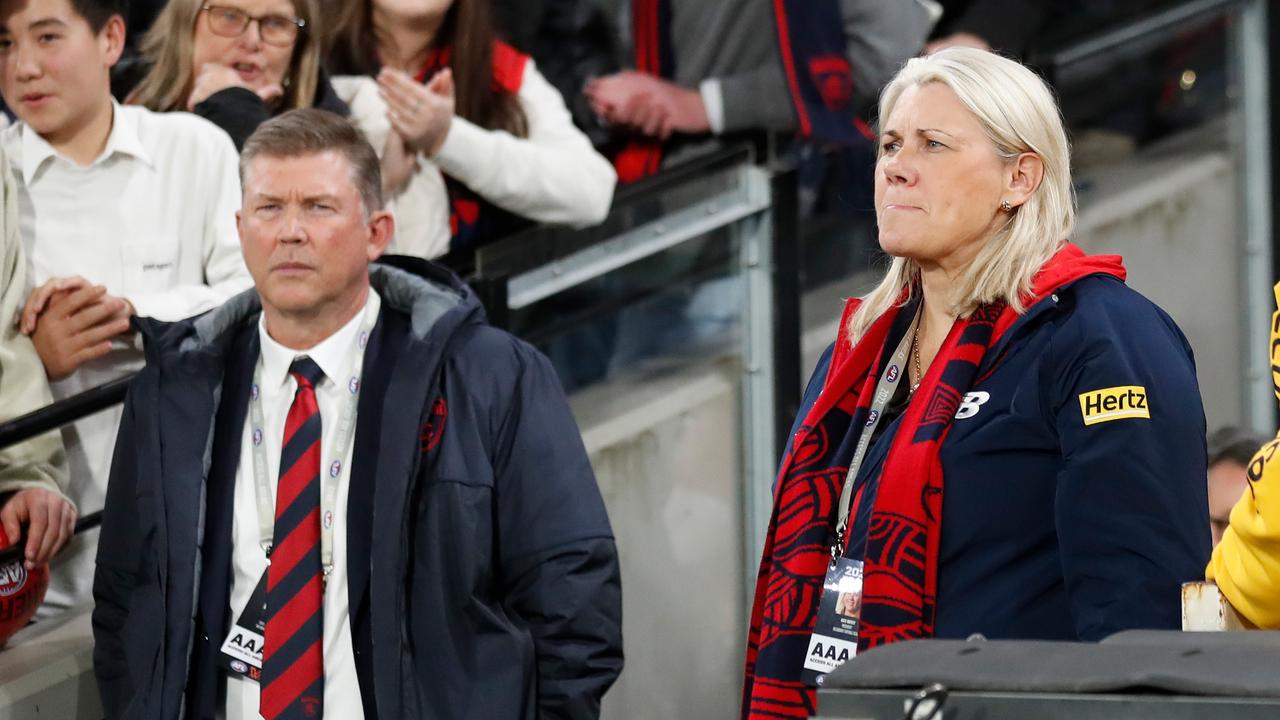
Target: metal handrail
(63, 412)
(1099, 51)
(544, 244)
(52, 417)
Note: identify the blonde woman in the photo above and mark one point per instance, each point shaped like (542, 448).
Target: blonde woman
(235, 62)
(1004, 438)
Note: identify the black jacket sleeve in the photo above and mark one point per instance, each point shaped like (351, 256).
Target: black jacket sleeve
(558, 556)
(1130, 509)
(238, 111)
(116, 573)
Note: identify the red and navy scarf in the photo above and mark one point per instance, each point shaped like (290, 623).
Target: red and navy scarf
(901, 568)
(811, 38)
(472, 219)
(816, 63)
(641, 157)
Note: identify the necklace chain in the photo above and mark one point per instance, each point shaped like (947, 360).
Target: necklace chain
(915, 357)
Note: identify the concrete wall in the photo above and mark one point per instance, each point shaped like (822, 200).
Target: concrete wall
(666, 453)
(1174, 217)
(46, 671)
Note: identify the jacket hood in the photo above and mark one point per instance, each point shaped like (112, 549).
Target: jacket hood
(1065, 267)
(433, 297)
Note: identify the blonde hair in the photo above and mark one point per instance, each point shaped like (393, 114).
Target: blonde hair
(1018, 112)
(169, 47)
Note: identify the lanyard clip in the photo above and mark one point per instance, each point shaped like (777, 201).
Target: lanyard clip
(837, 547)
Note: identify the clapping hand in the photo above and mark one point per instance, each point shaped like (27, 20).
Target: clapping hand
(421, 114)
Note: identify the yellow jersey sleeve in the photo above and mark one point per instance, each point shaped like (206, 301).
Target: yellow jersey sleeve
(1246, 564)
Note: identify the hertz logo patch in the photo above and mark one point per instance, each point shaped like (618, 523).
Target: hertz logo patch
(1117, 403)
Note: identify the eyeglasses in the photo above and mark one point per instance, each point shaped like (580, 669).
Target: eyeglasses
(277, 30)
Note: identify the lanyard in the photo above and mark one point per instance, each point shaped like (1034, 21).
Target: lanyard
(337, 451)
(885, 388)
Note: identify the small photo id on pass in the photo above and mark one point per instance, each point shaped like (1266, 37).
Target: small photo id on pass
(835, 635)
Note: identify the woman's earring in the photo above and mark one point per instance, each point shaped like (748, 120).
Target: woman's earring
(1005, 206)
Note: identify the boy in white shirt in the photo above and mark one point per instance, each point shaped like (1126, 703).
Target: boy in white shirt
(122, 212)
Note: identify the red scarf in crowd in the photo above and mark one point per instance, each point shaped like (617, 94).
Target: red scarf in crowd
(901, 562)
(816, 64)
(651, 36)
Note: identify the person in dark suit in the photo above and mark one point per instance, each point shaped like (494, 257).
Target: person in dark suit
(342, 494)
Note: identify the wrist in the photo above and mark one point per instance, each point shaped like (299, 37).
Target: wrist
(693, 111)
(440, 137)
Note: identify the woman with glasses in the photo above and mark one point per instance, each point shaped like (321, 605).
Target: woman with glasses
(448, 95)
(235, 62)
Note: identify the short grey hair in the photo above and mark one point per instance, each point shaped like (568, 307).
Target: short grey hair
(309, 131)
(1234, 443)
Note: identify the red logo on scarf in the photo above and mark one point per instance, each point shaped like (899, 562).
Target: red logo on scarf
(433, 428)
(834, 78)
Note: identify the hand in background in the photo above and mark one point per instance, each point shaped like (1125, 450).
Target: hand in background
(648, 104)
(48, 517)
(421, 114)
(215, 77)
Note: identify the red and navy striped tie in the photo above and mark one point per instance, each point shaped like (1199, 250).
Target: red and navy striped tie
(293, 659)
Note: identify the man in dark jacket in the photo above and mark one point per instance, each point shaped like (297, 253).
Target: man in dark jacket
(461, 565)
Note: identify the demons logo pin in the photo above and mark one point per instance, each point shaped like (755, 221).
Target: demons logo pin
(433, 428)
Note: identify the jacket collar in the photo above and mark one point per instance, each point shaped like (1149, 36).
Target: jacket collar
(424, 291)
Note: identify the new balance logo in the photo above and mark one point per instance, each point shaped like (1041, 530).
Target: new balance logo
(1117, 403)
(972, 403)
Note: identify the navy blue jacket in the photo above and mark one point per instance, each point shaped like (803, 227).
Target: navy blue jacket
(484, 581)
(1052, 528)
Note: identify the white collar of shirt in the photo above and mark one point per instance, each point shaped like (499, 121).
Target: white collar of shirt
(335, 354)
(124, 139)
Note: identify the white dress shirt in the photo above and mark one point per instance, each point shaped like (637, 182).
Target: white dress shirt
(153, 220)
(336, 356)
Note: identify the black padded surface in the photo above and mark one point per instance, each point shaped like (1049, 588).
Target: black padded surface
(1211, 664)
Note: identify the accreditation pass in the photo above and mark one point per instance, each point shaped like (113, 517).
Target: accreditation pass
(835, 635)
